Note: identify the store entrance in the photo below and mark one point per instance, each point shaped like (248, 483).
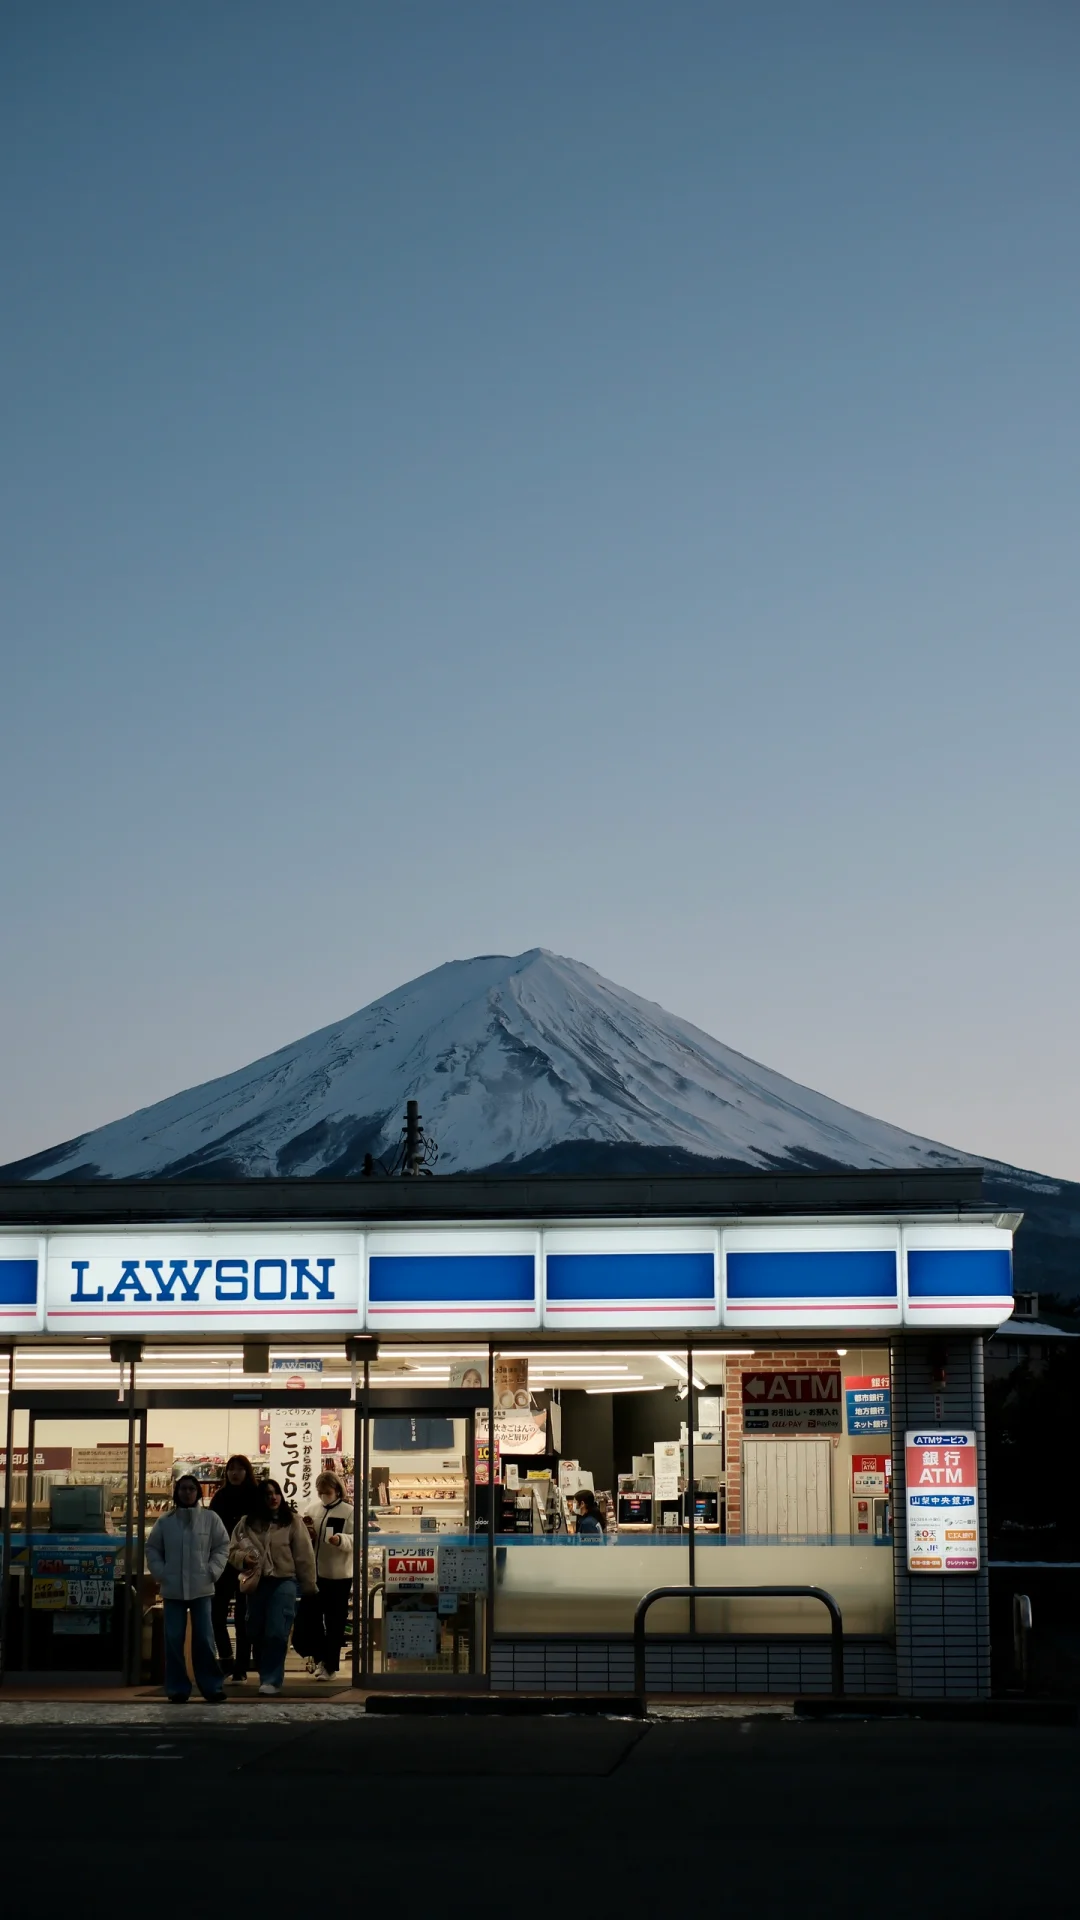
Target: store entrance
(73, 1540)
(426, 1544)
(92, 1473)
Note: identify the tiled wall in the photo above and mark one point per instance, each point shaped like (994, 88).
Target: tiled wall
(754, 1665)
(942, 1620)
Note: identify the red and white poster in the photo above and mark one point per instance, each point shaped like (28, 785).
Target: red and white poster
(942, 1473)
(411, 1572)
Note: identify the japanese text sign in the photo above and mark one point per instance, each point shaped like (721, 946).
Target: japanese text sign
(792, 1402)
(942, 1501)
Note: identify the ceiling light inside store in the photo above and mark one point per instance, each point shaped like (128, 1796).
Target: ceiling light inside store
(654, 1387)
(147, 1377)
(543, 1354)
(678, 1366)
(227, 1355)
(616, 1373)
(446, 1354)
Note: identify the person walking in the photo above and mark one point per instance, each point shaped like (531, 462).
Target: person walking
(186, 1552)
(331, 1526)
(233, 1500)
(274, 1557)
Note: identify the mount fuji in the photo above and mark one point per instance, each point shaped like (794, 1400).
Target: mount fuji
(531, 1063)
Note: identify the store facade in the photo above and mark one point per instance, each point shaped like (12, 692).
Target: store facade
(740, 1371)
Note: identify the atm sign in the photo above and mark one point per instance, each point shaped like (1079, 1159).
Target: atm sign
(792, 1402)
(411, 1573)
(870, 1472)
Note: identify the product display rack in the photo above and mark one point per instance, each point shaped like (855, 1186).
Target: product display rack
(439, 1496)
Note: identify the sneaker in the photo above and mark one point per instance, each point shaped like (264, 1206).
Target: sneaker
(177, 1699)
(238, 1678)
(216, 1699)
(322, 1672)
(268, 1687)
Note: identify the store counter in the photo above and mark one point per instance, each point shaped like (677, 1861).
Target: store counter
(566, 1584)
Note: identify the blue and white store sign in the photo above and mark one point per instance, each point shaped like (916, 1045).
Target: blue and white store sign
(626, 1277)
(957, 1276)
(453, 1278)
(620, 1277)
(22, 1258)
(184, 1280)
(811, 1276)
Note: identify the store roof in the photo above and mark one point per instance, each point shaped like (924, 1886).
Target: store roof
(1014, 1329)
(666, 1196)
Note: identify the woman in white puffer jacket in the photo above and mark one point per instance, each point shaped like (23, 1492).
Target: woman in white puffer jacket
(330, 1524)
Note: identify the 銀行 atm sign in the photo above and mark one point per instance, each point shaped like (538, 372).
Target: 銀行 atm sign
(411, 1572)
(792, 1402)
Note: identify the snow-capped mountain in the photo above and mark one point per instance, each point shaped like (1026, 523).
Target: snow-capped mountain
(534, 1064)
(512, 1060)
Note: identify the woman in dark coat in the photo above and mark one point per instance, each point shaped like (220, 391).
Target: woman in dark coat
(233, 1501)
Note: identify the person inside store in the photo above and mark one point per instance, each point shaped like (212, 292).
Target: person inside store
(588, 1519)
(330, 1523)
(232, 1503)
(272, 1552)
(186, 1552)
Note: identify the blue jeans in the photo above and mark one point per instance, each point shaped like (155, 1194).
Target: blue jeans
(270, 1611)
(203, 1656)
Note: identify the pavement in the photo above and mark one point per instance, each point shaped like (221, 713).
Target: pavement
(316, 1807)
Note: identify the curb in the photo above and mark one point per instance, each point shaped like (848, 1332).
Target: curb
(1030, 1713)
(622, 1706)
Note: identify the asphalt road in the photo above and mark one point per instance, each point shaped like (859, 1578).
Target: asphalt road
(449, 1817)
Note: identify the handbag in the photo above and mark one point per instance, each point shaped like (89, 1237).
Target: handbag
(250, 1576)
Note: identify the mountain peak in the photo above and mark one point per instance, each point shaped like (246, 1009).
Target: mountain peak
(525, 1058)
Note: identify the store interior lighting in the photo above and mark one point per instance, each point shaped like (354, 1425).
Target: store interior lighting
(655, 1386)
(679, 1367)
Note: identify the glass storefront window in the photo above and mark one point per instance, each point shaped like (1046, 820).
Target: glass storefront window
(806, 1461)
(428, 1562)
(518, 1495)
(71, 1574)
(587, 1520)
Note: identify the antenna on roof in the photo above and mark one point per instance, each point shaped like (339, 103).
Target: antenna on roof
(416, 1154)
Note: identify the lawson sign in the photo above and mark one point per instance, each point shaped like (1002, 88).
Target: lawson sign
(179, 1280)
(294, 1278)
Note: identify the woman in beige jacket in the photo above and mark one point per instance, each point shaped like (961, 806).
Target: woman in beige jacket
(272, 1544)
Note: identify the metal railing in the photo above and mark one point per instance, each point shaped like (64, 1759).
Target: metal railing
(836, 1618)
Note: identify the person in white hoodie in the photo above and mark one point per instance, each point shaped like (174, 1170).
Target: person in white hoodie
(186, 1553)
(330, 1524)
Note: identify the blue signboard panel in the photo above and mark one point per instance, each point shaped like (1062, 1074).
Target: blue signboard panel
(666, 1278)
(451, 1279)
(868, 1411)
(975, 1275)
(814, 1279)
(18, 1283)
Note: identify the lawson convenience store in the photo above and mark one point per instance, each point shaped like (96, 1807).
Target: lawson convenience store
(745, 1372)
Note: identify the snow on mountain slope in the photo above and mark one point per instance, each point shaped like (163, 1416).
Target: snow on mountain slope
(509, 1059)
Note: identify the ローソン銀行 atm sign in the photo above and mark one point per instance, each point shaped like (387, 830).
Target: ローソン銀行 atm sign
(942, 1472)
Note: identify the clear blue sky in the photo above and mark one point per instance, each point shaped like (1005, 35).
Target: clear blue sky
(601, 476)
